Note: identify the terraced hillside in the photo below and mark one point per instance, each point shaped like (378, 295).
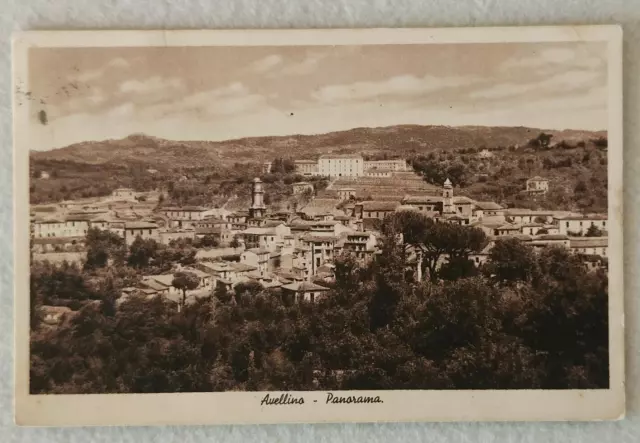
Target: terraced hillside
(373, 188)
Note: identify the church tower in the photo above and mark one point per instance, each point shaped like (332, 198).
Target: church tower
(258, 208)
(447, 198)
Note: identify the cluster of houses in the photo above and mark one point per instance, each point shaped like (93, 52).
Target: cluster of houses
(295, 250)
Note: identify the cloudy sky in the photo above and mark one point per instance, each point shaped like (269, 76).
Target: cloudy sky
(218, 93)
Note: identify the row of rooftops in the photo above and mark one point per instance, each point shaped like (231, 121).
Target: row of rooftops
(574, 242)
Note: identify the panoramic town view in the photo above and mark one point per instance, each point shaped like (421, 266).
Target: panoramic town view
(350, 244)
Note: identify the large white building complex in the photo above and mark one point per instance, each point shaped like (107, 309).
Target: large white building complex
(341, 165)
(349, 165)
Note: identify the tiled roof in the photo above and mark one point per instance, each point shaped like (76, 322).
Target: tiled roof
(588, 242)
(140, 225)
(341, 156)
(241, 267)
(319, 238)
(304, 286)
(421, 199)
(185, 208)
(585, 217)
(379, 205)
(259, 251)
(488, 206)
(462, 200)
(259, 231)
(552, 237)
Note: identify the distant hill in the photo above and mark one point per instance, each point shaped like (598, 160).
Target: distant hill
(403, 140)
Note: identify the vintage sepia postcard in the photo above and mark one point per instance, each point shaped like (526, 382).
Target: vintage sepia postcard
(286, 226)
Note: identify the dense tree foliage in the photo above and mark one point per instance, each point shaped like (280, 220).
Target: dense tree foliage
(577, 172)
(526, 319)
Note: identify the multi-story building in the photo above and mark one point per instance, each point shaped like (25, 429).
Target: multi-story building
(378, 173)
(346, 193)
(349, 165)
(306, 167)
(361, 244)
(389, 165)
(256, 257)
(375, 209)
(144, 230)
(345, 165)
(589, 245)
(321, 249)
(186, 216)
(579, 224)
(61, 226)
(268, 238)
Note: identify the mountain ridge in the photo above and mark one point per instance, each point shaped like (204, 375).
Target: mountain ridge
(400, 140)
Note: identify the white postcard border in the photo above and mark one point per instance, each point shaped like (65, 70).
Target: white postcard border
(244, 407)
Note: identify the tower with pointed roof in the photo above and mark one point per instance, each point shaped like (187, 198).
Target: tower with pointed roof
(447, 198)
(257, 209)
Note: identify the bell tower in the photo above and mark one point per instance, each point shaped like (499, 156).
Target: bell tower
(447, 198)
(258, 208)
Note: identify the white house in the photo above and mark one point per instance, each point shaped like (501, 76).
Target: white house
(257, 258)
(186, 216)
(579, 224)
(537, 185)
(345, 165)
(589, 245)
(265, 237)
(144, 230)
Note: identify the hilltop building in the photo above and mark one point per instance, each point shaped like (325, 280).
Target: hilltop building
(537, 185)
(396, 165)
(349, 165)
(346, 165)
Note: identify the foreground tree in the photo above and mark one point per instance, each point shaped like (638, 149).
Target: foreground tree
(511, 261)
(103, 246)
(142, 252)
(185, 281)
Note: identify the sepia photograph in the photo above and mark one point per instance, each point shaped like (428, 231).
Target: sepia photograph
(305, 226)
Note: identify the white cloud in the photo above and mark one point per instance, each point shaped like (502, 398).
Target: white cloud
(231, 99)
(124, 110)
(151, 84)
(79, 104)
(308, 65)
(266, 64)
(87, 76)
(558, 83)
(404, 85)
